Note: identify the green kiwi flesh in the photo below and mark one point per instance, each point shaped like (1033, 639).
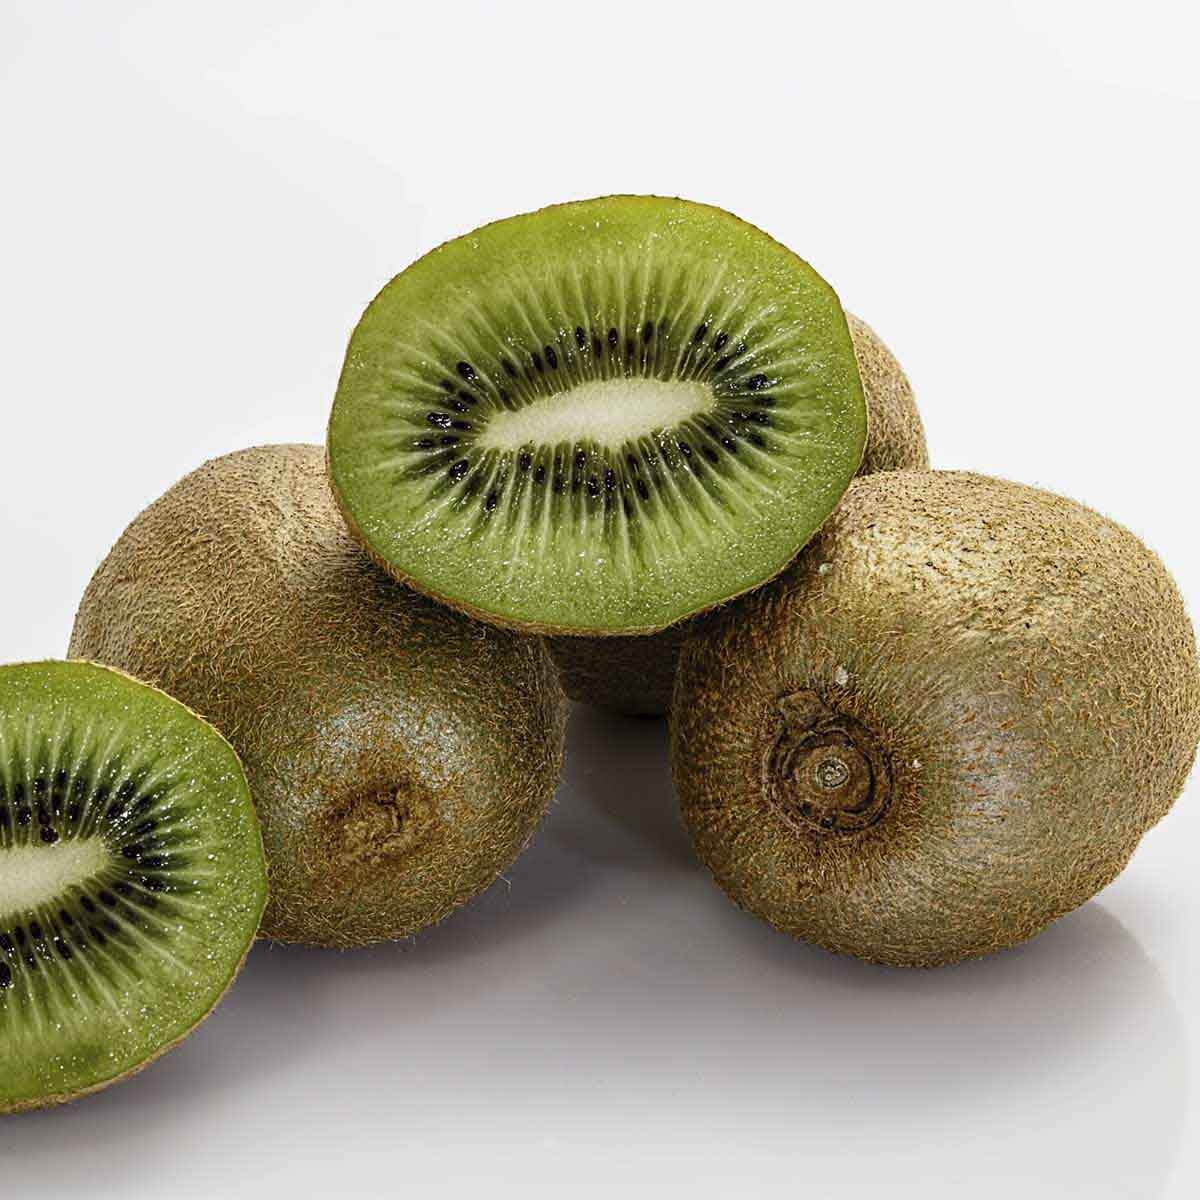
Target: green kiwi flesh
(400, 755)
(948, 724)
(603, 417)
(132, 877)
(635, 675)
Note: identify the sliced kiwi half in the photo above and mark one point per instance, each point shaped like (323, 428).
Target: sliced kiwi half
(602, 417)
(132, 877)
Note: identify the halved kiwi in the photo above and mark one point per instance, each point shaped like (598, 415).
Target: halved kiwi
(602, 417)
(132, 877)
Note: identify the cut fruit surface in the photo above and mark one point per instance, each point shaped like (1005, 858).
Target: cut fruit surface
(602, 417)
(132, 877)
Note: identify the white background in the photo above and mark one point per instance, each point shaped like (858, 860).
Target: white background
(197, 200)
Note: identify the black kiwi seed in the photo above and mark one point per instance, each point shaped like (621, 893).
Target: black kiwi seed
(710, 454)
(720, 341)
(35, 931)
(108, 899)
(447, 385)
(6, 975)
(6, 943)
(465, 426)
(439, 419)
(551, 358)
(492, 500)
(580, 337)
(647, 331)
(756, 382)
(760, 418)
(459, 406)
(509, 369)
(614, 338)
(610, 479)
(24, 815)
(597, 346)
(685, 449)
(593, 488)
(699, 335)
(642, 490)
(88, 903)
(580, 459)
(539, 476)
(524, 460)
(467, 398)
(466, 371)
(49, 836)
(451, 439)
(459, 469)
(536, 359)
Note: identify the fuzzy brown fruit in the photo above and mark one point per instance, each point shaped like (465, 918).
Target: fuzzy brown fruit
(400, 755)
(948, 724)
(635, 675)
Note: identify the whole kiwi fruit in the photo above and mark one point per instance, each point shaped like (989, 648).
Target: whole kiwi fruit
(635, 675)
(948, 724)
(400, 755)
(132, 878)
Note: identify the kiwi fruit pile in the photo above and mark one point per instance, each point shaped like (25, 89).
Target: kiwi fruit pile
(634, 448)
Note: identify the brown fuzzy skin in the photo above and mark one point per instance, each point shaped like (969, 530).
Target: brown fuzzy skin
(635, 675)
(1021, 668)
(400, 755)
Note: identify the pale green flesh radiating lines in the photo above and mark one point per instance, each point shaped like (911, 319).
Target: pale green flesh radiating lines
(623, 430)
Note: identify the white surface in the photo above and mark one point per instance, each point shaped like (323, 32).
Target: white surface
(197, 200)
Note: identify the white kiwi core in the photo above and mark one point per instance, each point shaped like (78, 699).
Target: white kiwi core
(33, 875)
(608, 412)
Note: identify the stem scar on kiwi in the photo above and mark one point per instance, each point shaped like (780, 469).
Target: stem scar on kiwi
(948, 724)
(399, 754)
(600, 418)
(132, 878)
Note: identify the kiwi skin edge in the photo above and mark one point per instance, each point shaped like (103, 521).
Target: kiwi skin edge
(635, 675)
(947, 725)
(57, 1100)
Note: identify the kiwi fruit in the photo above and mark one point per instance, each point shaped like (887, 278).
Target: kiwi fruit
(132, 878)
(400, 755)
(600, 418)
(635, 675)
(948, 724)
